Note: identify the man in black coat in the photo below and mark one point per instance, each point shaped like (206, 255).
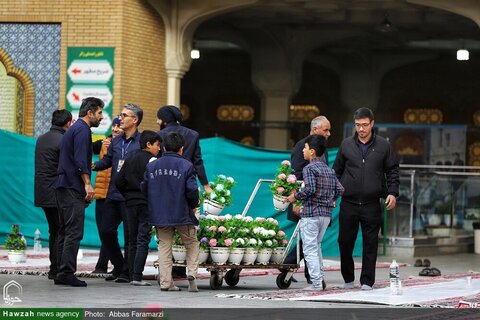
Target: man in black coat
(321, 126)
(368, 170)
(47, 152)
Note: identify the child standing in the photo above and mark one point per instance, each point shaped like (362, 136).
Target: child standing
(321, 190)
(128, 182)
(172, 193)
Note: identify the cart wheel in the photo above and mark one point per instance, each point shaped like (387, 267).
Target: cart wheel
(231, 279)
(215, 281)
(281, 281)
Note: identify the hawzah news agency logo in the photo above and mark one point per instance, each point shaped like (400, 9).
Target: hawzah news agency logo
(12, 292)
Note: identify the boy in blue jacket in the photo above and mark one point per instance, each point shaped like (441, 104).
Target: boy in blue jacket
(172, 193)
(322, 188)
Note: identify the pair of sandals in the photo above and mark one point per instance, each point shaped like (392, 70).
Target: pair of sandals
(425, 263)
(430, 272)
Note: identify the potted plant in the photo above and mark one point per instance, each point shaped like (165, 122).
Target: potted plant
(284, 184)
(16, 245)
(221, 195)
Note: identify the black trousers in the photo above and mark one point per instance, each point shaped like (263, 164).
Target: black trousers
(71, 209)
(369, 217)
(139, 238)
(114, 213)
(53, 226)
(102, 262)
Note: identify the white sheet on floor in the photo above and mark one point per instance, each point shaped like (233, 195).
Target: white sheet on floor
(411, 295)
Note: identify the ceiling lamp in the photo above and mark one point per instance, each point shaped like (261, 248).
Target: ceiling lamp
(195, 54)
(463, 55)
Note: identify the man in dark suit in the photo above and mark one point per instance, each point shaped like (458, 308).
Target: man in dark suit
(321, 126)
(47, 152)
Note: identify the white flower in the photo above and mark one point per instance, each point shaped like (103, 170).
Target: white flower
(221, 200)
(238, 216)
(227, 192)
(248, 219)
(240, 241)
(260, 242)
(221, 177)
(228, 216)
(219, 187)
(212, 195)
(271, 232)
(252, 241)
(230, 179)
(268, 243)
(275, 242)
(211, 217)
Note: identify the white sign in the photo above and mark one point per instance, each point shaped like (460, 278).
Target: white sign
(104, 124)
(83, 71)
(80, 92)
(12, 292)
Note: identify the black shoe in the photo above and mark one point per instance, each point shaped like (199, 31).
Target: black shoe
(324, 285)
(70, 281)
(122, 279)
(113, 271)
(111, 277)
(294, 280)
(52, 275)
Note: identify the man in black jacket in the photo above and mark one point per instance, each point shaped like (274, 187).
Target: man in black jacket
(321, 126)
(128, 182)
(368, 170)
(47, 152)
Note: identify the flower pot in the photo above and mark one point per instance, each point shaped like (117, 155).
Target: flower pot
(179, 253)
(249, 256)
(219, 255)
(203, 255)
(236, 256)
(212, 207)
(277, 255)
(16, 257)
(280, 202)
(263, 256)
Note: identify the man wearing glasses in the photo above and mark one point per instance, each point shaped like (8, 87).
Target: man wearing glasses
(368, 170)
(121, 148)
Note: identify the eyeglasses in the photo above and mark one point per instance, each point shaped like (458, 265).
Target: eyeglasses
(124, 115)
(362, 125)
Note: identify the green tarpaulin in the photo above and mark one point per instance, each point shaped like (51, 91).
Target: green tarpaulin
(245, 164)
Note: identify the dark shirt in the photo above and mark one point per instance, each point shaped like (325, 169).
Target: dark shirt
(47, 152)
(298, 162)
(75, 157)
(118, 151)
(191, 151)
(131, 175)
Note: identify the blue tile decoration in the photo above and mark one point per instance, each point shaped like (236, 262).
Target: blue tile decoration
(35, 48)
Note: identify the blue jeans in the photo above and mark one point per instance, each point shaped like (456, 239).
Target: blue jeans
(312, 230)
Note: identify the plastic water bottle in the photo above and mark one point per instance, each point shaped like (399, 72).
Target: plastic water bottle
(395, 284)
(37, 243)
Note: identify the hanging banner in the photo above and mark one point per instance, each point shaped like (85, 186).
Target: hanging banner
(90, 74)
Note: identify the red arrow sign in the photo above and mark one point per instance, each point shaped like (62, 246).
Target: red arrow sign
(75, 71)
(76, 96)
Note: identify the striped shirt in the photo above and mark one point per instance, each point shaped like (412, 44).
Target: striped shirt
(321, 190)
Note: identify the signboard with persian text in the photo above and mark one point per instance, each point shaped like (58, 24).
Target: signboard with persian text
(90, 73)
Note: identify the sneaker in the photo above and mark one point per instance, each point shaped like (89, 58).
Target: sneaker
(348, 285)
(140, 283)
(366, 287)
(174, 288)
(324, 285)
(192, 284)
(312, 288)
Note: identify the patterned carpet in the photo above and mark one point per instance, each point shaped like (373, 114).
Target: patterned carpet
(300, 294)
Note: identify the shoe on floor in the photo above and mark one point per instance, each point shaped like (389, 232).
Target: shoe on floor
(348, 285)
(192, 284)
(111, 277)
(426, 263)
(122, 279)
(418, 263)
(294, 280)
(174, 288)
(52, 275)
(366, 287)
(324, 285)
(70, 281)
(312, 288)
(140, 283)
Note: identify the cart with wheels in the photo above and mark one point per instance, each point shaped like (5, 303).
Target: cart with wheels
(231, 272)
